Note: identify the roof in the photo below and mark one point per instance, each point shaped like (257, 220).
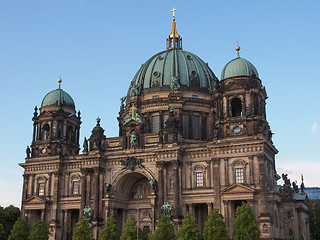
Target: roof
(58, 97)
(238, 67)
(173, 65)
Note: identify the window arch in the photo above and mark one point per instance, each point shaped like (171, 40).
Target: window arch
(236, 107)
(239, 171)
(41, 182)
(75, 184)
(199, 173)
(45, 131)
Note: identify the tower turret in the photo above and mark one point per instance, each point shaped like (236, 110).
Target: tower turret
(57, 128)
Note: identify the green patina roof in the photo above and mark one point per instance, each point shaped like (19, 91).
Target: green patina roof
(58, 97)
(160, 70)
(238, 67)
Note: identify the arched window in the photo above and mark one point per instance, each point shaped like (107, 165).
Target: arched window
(41, 185)
(45, 131)
(239, 171)
(236, 107)
(199, 175)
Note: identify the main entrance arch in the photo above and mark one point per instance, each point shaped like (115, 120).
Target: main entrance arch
(132, 195)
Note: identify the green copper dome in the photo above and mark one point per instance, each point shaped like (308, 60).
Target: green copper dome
(238, 67)
(173, 66)
(58, 97)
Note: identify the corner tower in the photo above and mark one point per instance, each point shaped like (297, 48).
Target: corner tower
(240, 101)
(56, 129)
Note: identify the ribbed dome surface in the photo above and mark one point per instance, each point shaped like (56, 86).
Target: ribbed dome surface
(58, 97)
(159, 71)
(238, 67)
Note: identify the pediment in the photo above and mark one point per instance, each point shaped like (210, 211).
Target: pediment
(36, 200)
(45, 114)
(237, 189)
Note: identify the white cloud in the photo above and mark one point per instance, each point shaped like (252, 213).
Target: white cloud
(10, 194)
(294, 169)
(314, 127)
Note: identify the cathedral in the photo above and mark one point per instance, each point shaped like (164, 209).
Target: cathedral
(188, 142)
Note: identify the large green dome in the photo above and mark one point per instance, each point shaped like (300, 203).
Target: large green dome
(239, 67)
(173, 64)
(58, 97)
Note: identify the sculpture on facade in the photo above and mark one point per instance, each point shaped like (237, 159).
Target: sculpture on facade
(174, 85)
(153, 184)
(131, 163)
(133, 139)
(166, 209)
(107, 187)
(87, 213)
(85, 145)
(28, 152)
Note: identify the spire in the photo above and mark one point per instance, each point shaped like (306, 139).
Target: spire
(174, 41)
(238, 49)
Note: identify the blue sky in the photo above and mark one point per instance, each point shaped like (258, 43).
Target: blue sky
(97, 46)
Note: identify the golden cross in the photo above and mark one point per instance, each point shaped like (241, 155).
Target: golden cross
(174, 12)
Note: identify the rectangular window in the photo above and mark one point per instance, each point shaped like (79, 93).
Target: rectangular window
(41, 189)
(171, 183)
(155, 124)
(185, 121)
(204, 128)
(75, 187)
(195, 126)
(199, 179)
(239, 175)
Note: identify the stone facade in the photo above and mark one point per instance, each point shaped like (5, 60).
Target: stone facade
(194, 149)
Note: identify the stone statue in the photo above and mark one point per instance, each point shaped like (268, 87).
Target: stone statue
(123, 99)
(286, 180)
(134, 90)
(108, 187)
(28, 152)
(87, 213)
(295, 187)
(85, 145)
(131, 163)
(153, 184)
(174, 85)
(302, 187)
(133, 140)
(166, 209)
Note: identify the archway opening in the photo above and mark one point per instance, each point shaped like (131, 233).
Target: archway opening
(236, 107)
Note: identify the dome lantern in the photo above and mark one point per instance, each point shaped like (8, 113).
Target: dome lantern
(174, 40)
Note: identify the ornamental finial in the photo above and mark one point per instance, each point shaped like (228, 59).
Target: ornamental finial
(238, 49)
(60, 81)
(174, 41)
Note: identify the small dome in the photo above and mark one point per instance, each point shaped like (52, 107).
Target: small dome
(58, 97)
(238, 67)
(174, 64)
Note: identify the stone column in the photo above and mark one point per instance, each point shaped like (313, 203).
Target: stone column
(34, 132)
(160, 166)
(175, 168)
(96, 179)
(209, 207)
(25, 187)
(54, 221)
(84, 173)
(216, 182)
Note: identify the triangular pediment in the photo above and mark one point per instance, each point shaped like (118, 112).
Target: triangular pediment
(45, 114)
(237, 189)
(36, 200)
